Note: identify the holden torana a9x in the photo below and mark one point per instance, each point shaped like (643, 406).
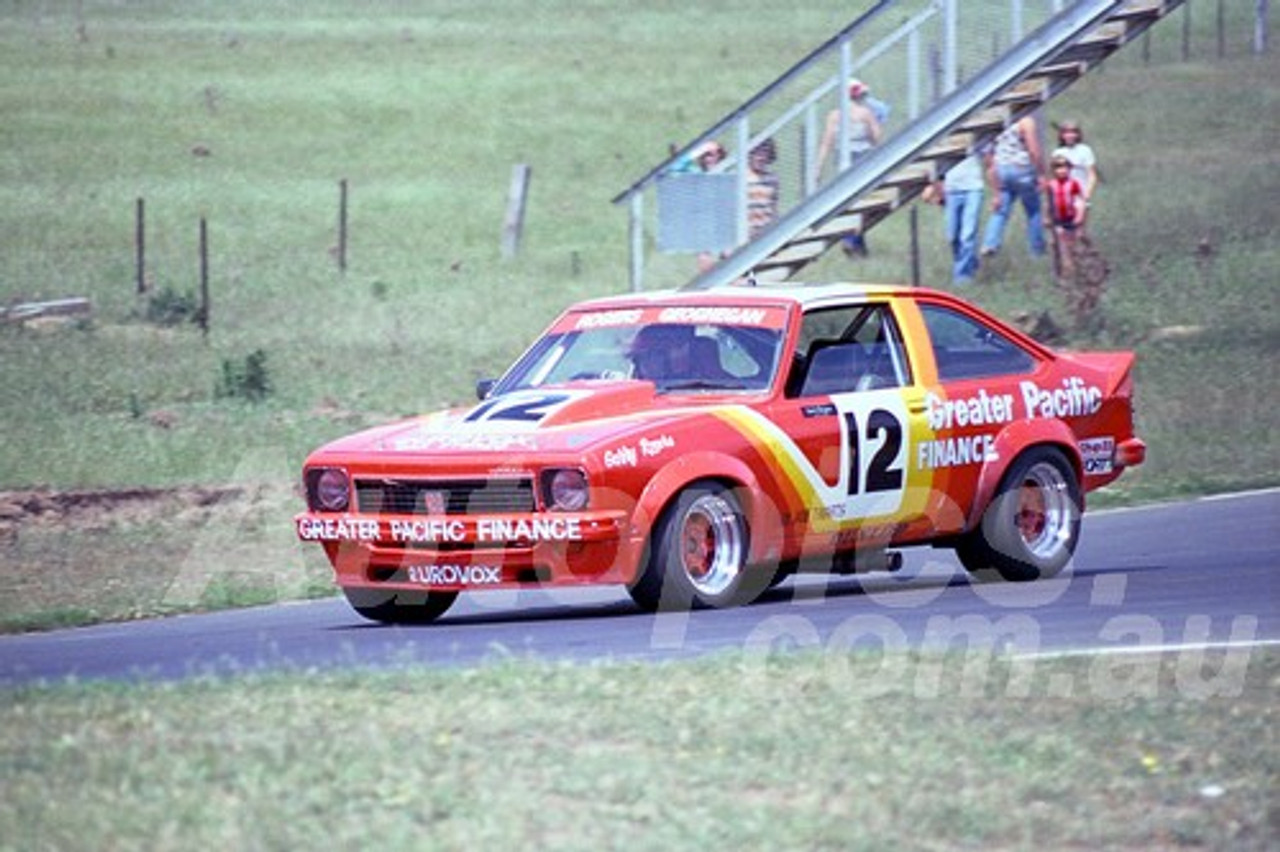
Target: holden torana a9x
(696, 447)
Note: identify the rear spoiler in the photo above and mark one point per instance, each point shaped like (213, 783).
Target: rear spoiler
(1116, 367)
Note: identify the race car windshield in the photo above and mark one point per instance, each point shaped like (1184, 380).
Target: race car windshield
(675, 357)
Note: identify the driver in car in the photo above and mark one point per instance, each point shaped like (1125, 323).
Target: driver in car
(662, 352)
(674, 353)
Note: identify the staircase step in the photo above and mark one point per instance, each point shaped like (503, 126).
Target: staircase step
(1070, 71)
(794, 253)
(831, 230)
(1091, 53)
(1096, 45)
(917, 175)
(989, 119)
(768, 270)
(1111, 32)
(875, 218)
(772, 275)
(881, 199)
(1140, 9)
(1033, 90)
(953, 146)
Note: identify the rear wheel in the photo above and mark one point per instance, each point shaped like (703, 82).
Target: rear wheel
(698, 554)
(394, 607)
(1031, 528)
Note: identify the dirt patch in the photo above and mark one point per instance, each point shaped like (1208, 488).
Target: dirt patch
(94, 509)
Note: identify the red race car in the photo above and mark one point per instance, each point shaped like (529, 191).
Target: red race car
(696, 447)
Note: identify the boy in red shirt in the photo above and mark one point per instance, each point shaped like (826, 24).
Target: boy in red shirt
(1066, 211)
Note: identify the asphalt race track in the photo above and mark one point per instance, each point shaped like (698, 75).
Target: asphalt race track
(1187, 575)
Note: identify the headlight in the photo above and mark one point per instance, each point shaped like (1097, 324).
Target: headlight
(328, 489)
(564, 489)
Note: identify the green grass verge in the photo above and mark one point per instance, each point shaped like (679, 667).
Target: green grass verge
(799, 751)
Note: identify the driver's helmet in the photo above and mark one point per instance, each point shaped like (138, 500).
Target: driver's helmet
(653, 348)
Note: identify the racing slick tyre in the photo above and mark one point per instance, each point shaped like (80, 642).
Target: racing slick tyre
(393, 607)
(1032, 525)
(697, 554)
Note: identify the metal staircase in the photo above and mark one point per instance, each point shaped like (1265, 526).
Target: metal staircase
(1073, 39)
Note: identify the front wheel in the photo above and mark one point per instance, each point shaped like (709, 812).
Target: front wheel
(1032, 525)
(392, 607)
(698, 554)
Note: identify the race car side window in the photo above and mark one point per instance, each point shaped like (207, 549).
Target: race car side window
(964, 348)
(850, 348)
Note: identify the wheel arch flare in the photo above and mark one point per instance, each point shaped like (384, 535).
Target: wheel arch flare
(1014, 440)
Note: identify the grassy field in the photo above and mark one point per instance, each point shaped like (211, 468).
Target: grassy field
(131, 486)
(798, 751)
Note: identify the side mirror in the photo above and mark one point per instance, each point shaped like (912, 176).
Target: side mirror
(484, 387)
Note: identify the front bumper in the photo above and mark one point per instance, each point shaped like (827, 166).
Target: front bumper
(460, 553)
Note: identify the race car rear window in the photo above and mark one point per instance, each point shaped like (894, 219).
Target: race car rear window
(964, 348)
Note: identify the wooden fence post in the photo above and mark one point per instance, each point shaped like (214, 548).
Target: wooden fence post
(1186, 31)
(204, 277)
(140, 245)
(342, 225)
(914, 216)
(1260, 24)
(1222, 24)
(513, 224)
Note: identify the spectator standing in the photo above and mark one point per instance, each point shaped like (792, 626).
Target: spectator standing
(704, 159)
(762, 188)
(1084, 164)
(880, 109)
(960, 193)
(1014, 167)
(864, 134)
(1066, 211)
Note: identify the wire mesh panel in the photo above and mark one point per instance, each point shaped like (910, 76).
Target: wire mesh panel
(697, 212)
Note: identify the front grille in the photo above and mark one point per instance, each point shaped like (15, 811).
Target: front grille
(457, 496)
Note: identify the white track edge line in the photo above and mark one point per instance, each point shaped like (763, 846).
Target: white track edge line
(1145, 649)
(1206, 498)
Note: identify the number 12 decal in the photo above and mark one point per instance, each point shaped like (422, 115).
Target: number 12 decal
(884, 473)
(875, 443)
